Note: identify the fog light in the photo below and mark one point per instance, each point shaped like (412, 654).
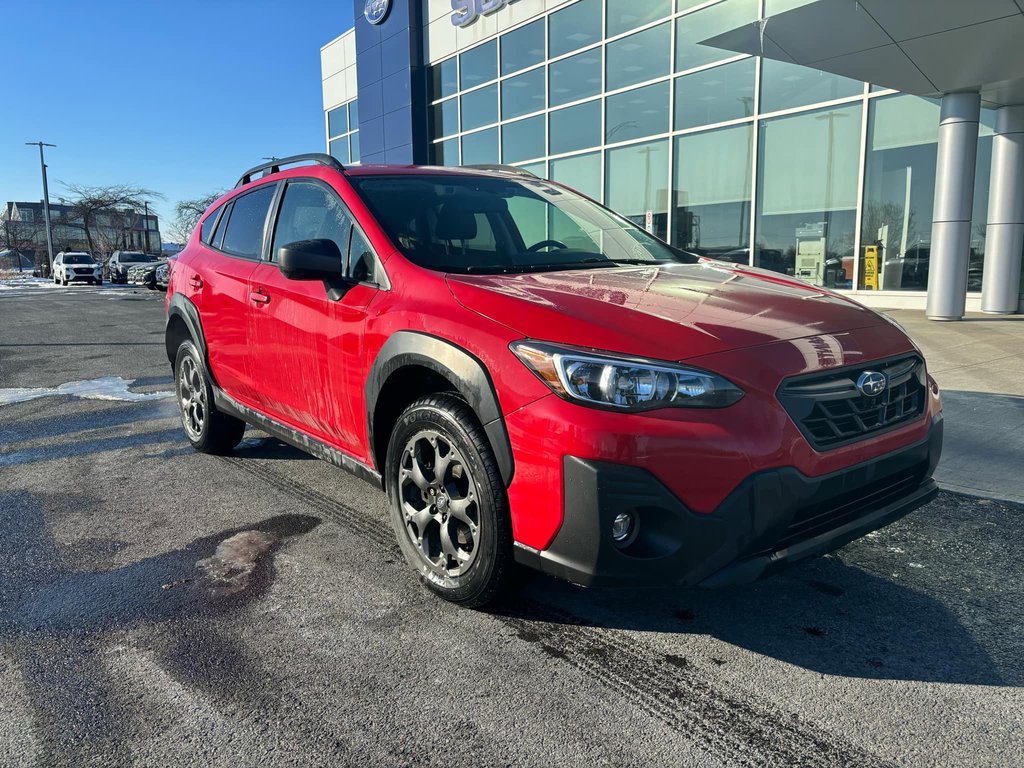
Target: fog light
(622, 526)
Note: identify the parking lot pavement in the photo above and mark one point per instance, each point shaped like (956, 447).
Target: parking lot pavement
(162, 607)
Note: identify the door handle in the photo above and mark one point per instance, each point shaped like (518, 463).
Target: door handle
(196, 282)
(259, 297)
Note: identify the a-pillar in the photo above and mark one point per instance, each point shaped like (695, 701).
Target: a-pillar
(954, 202)
(1004, 236)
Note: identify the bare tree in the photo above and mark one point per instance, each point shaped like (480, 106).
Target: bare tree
(18, 236)
(105, 212)
(187, 214)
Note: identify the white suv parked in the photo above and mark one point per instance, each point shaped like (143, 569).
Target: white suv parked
(76, 266)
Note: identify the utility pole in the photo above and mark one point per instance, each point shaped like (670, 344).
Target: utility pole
(46, 200)
(145, 223)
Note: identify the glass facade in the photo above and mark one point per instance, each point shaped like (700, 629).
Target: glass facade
(343, 132)
(743, 159)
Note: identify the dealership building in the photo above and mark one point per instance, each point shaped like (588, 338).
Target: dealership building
(870, 146)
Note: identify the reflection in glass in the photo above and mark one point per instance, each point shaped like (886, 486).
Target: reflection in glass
(637, 185)
(575, 78)
(444, 79)
(574, 27)
(624, 15)
(807, 195)
(480, 147)
(715, 95)
(637, 113)
(480, 107)
(479, 65)
(446, 118)
(577, 127)
(639, 57)
(353, 114)
(709, 22)
(337, 121)
(785, 86)
(522, 48)
(712, 193)
(522, 140)
(353, 140)
(522, 94)
(581, 172)
(339, 149)
(446, 152)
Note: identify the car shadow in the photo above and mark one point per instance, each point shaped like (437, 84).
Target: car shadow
(824, 616)
(257, 445)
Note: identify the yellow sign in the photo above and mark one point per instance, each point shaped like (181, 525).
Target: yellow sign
(871, 267)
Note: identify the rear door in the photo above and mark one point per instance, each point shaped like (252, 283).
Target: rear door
(220, 289)
(302, 339)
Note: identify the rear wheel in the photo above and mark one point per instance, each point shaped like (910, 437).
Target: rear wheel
(207, 429)
(448, 503)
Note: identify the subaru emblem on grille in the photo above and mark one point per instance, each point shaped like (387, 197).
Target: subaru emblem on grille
(872, 383)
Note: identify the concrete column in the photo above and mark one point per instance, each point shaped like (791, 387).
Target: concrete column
(954, 201)
(1004, 237)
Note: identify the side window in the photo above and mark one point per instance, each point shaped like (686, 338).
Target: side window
(362, 264)
(311, 212)
(206, 231)
(244, 233)
(222, 225)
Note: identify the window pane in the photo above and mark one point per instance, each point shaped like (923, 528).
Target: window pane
(480, 147)
(538, 169)
(637, 182)
(807, 190)
(712, 193)
(639, 57)
(574, 27)
(522, 48)
(523, 140)
(480, 107)
(444, 80)
(337, 121)
(205, 233)
(706, 23)
(979, 219)
(446, 118)
(637, 113)
(353, 141)
(582, 173)
(479, 65)
(522, 94)
(311, 212)
(446, 152)
(362, 265)
(244, 235)
(575, 78)
(624, 15)
(785, 85)
(715, 95)
(353, 114)
(339, 149)
(576, 127)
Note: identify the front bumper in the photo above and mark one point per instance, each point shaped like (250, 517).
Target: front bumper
(773, 518)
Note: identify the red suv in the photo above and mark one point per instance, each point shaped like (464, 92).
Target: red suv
(534, 379)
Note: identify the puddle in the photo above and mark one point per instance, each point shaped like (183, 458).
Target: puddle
(104, 388)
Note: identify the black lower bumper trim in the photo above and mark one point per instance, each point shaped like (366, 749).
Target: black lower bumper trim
(771, 519)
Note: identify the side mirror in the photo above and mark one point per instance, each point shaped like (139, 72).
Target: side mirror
(310, 260)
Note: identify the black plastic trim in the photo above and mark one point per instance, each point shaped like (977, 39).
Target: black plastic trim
(226, 404)
(745, 538)
(181, 306)
(467, 374)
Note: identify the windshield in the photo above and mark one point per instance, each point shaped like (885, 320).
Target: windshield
(136, 258)
(77, 258)
(491, 225)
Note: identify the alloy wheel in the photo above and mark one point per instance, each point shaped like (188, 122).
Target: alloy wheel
(192, 398)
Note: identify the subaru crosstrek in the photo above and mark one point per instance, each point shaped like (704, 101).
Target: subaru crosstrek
(534, 379)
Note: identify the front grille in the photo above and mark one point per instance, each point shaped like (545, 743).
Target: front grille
(830, 411)
(83, 270)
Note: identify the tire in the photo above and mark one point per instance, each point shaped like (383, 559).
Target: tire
(207, 429)
(467, 505)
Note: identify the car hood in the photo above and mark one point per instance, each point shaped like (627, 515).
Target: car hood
(671, 312)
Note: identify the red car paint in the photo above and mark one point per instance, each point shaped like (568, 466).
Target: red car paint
(303, 360)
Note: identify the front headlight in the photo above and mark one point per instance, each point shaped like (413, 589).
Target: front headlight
(623, 383)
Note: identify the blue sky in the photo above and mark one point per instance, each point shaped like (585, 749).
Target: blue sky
(177, 96)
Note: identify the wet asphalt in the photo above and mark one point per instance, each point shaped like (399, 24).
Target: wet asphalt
(160, 607)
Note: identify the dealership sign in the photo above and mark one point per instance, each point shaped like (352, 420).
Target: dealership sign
(376, 11)
(468, 11)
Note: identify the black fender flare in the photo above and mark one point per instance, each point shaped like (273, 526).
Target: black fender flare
(465, 371)
(181, 306)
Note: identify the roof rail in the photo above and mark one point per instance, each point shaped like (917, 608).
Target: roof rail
(274, 165)
(502, 168)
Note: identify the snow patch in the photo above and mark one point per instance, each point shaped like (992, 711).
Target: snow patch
(103, 388)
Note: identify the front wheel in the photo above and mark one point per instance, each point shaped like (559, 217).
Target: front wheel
(207, 429)
(448, 503)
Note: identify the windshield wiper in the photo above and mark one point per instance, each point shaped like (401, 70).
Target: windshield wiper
(511, 269)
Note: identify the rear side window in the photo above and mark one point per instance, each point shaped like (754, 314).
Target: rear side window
(206, 231)
(218, 235)
(244, 233)
(311, 212)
